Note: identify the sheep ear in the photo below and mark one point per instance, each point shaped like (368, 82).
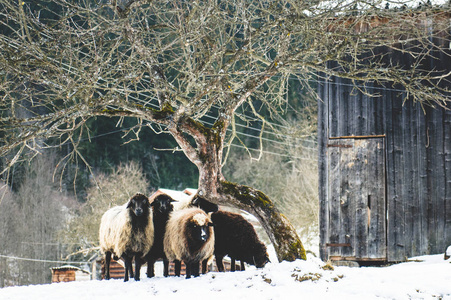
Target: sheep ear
(195, 201)
(211, 224)
(129, 203)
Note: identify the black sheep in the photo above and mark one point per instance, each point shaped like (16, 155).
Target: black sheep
(236, 237)
(162, 207)
(204, 204)
(197, 201)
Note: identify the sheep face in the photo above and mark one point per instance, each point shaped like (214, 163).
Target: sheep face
(138, 204)
(163, 204)
(199, 230)
(261, 259)
(200, 233)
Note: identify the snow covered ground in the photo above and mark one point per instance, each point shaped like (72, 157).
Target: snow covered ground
(428, 277)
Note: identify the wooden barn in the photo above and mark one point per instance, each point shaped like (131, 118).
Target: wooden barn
(69, 273)
(384, 170)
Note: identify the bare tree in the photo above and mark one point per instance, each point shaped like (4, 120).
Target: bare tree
(30, 219)
(170, 63)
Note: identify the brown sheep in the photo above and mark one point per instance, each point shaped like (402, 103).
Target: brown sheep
(189, 237)
(236, 237)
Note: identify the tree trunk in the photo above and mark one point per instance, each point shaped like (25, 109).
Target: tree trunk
(207, 156)
(282, 234)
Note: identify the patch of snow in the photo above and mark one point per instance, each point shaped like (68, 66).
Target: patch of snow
(427, 277)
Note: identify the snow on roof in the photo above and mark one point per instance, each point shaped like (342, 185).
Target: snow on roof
(190, 191)
(69, 267)
(185, 195)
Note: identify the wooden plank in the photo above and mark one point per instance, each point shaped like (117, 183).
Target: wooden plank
(338, 146)
(354, 114)
(347, 195)
(323, 118)
(357, 137)
(393, 252)
(370, 111)
(398, 170)
(441, 184)
(422, 141)
(361, 111)
(344, 107)
(405, 186)
(413, 179)
(430, 149)
(447, 166)
(334, 226)
(360, 191)
(338, 258)
(380, 116)
(436, 216)
(338, 245)
(445, 64)
(333, 108)
(376, 204)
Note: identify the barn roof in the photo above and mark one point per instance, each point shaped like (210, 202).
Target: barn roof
(69, 267)
(185, 195)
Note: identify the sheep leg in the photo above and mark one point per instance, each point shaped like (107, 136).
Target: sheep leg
(107, 264)
(138, 264)
(178, 267)
(130, 270)
(165, 268)
(128, 267)
(188, 269)
(151, 267)
(195, 269)
(204, 266)
(219, 263)
(233, 266)
(242, 265)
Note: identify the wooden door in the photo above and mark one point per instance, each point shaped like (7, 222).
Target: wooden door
(356, 199)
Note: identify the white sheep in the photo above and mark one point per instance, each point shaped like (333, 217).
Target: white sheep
(189, 237)
(127, 231)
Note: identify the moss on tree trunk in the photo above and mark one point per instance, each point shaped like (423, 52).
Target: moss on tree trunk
(282, 234)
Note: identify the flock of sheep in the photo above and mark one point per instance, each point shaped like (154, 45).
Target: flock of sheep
(191, 232)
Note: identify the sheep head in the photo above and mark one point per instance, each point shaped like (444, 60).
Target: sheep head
(200, 228)
(163, 204)
(204, 204)
(138, 204)
(260, 257)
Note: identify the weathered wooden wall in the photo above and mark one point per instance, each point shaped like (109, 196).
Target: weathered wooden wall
(417, 161)
(63, 275)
